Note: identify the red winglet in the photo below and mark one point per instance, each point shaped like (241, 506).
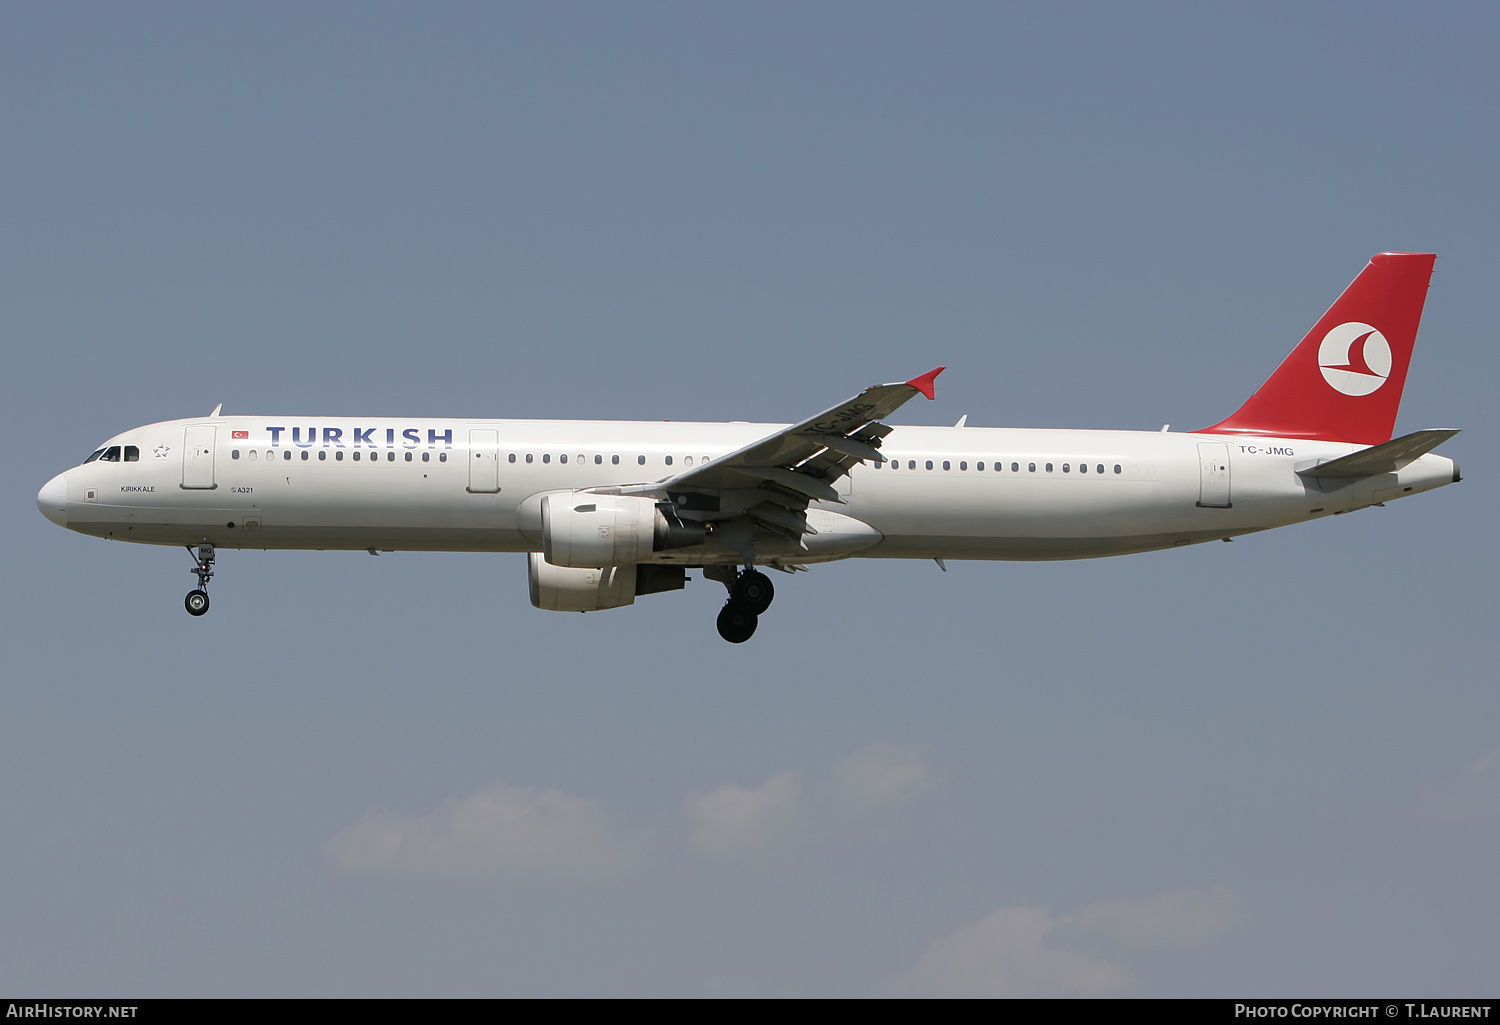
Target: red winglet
(925, 384)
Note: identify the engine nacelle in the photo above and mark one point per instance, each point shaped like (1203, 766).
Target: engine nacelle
(565, 589)
(582, 531)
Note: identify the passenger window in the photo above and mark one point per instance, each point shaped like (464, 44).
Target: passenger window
(641, 460)
(270, 454)
(323, 454)
(528, 457)
(669, 460)
(599, 459)
(1100, 468)
(546, 457)
(1117, 467)
(304, 455)
(426, 457)
(1065, 467)
(234, 454)
(253, 454)
(1030, 467)
(929, 464)
(408, 457)
(390, 457)
(947, 465)
(980, 466)
(512, 457)
(911, 464)
(614, 460)
(687, 460)
(1083, 467)
(963, 465)
(561, 459)
(133, 454)
(356, 455)
(442, 457)
(286, 454)
(339, 455)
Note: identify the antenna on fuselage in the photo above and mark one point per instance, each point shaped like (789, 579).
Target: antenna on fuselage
(216, 411)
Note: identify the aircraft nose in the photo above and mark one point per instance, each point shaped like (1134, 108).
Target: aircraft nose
(52, 500)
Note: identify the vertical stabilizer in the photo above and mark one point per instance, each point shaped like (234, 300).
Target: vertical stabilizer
(1343, 382)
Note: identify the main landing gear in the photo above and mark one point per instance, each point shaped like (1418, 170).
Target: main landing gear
(197, 600)
(750, 594)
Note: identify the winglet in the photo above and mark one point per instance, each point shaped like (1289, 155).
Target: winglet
(926, 383)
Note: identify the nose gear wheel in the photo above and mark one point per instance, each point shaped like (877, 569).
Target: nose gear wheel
(196, 601)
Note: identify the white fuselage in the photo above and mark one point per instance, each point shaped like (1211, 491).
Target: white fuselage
(475, 485)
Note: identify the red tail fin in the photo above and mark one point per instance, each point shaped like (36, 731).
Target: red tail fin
(1344, 381)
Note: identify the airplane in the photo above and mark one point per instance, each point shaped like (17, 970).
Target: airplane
(609, 511)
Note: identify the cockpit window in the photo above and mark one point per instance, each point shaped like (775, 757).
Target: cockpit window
(111, 455)
(97, 453)
(132, 454)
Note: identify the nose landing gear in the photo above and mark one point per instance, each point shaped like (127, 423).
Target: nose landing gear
(750, 594)
(197, 600)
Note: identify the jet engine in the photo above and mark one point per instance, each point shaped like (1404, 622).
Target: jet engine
(565, 589)
(584, 531)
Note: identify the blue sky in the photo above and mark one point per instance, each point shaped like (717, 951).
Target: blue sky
(1252, 769)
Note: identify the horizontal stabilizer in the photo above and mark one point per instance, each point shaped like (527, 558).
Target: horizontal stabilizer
(1386, 458)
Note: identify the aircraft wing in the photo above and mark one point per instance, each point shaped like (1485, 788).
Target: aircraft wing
(808, 457)
(765, 486)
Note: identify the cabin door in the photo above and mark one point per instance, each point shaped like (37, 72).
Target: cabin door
(1213, 475)
(198, 458)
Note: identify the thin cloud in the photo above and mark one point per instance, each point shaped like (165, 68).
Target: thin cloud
(1026, 952)
(865, 794)
(502, 830)
(1179, 920)
(1007, 955)
(736, 820)
(1473, 794)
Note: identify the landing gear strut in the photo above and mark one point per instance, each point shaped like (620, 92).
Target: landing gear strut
(197, 601)
(750, 594)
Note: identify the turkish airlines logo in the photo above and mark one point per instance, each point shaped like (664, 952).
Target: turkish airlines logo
(1355, 359)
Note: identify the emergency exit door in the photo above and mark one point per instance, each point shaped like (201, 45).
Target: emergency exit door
(484, 462)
